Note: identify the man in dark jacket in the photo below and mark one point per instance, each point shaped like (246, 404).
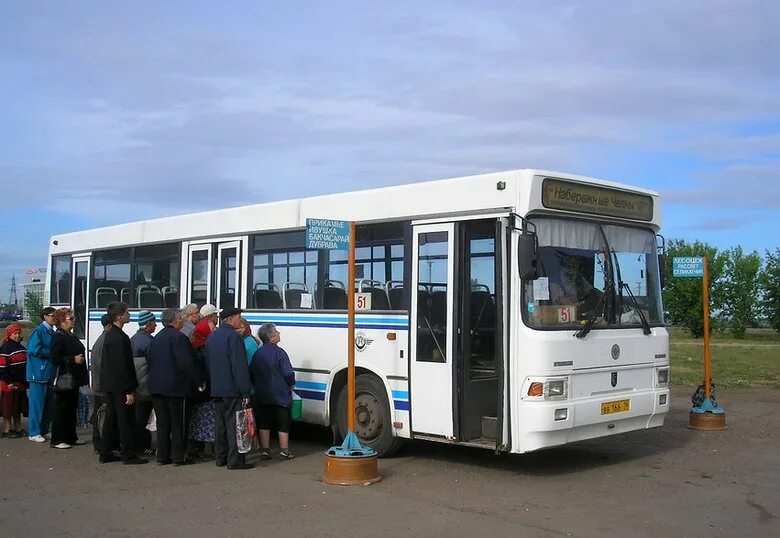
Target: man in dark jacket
(95, 360)
(170, 378)
(118, 381)
(230, 386)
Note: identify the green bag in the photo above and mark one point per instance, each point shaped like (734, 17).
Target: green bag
(296, 411)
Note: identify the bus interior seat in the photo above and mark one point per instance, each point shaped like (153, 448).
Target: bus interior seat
(439, 308)
(395, 294)
(124, 295)
(379, 300)
(423, 303)
(335, 298)
(267, 297)
(483, 323)
(483, 309)
(149, 296)
(292, 294)
(170, 296)
(228, 298)
(104, 296)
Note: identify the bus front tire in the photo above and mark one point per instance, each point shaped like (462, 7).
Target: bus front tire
(373, 419)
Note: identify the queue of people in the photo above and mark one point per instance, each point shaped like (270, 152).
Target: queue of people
(189, 379)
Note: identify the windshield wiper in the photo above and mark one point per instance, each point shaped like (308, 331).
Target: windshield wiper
(643, 319)
(621, 285)
(588, 325)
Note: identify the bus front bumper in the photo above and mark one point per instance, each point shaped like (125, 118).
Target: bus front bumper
(541, 424)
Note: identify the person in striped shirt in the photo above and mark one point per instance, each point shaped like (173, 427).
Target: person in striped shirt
(13, 381)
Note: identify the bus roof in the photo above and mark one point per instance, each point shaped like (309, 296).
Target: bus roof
(408, 201)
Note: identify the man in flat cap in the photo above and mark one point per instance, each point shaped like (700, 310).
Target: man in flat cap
(230, 386)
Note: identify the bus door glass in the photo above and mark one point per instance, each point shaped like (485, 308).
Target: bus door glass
(80, 292)
(228, 274)
(199, 275)
(431, 360)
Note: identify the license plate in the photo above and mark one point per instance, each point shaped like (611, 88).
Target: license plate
(619, 406)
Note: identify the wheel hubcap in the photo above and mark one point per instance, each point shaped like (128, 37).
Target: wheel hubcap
(368, 416)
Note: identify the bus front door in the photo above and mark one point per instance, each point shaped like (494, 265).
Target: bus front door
(431, 352)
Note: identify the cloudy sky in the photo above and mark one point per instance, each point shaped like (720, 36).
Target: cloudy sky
(113, 112)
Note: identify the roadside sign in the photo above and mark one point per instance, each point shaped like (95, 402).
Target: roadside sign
(688, 267)
(327, 234)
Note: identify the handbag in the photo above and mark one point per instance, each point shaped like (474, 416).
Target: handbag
(64, 382)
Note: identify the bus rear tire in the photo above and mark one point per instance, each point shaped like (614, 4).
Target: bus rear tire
(373, 419)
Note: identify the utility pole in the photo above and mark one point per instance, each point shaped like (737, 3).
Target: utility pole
(13, 299)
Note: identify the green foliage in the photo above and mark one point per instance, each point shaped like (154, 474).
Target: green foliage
(34, 306)
(738, 289)
(770, 287)
(683, 296)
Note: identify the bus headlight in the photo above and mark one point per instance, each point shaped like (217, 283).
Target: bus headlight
(663, 376)
(548, 389)
(555, 389)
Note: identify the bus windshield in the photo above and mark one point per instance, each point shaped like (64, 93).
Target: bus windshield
(586, 270)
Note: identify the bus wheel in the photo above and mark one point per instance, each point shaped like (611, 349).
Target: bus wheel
(373, 422)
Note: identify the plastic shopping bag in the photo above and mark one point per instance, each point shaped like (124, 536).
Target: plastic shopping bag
(245, 429)
(151, 425)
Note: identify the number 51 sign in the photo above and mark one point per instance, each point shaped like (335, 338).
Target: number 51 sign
(362, 301)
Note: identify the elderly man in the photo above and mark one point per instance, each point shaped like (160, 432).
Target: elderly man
(140, 343)
(171, 374)
(191, 316)
(230, 386)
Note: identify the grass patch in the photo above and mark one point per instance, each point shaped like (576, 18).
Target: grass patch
(752, 362)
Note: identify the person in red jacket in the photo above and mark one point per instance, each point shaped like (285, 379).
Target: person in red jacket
(13, 381)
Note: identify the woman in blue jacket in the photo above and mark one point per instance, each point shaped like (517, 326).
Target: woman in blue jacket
(273, 379)
(40, 374)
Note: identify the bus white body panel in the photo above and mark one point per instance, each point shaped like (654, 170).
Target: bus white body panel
(434, 389)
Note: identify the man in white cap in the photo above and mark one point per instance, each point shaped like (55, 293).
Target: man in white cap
(210, 313)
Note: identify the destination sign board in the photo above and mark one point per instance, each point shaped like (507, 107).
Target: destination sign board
(688, 267)
(596, 200)
(327, 234)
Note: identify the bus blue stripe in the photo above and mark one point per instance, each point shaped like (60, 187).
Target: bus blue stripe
(401, 406)
(311, 385)
(310, 395)
(401, 395)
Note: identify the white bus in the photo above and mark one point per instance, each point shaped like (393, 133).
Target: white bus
(511, 311)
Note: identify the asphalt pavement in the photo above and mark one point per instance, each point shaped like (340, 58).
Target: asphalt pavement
(670, 481)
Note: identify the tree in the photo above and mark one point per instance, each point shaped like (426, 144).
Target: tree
(739, 289)
(33, 305)
(770, 288)
(683, 296)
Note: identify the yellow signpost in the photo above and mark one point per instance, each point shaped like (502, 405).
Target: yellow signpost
(705, 414)
(348, 464)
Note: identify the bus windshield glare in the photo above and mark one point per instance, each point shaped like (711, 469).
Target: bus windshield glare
(586, 270)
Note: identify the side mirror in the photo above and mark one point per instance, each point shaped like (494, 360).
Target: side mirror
(660, 248)
(527, 256)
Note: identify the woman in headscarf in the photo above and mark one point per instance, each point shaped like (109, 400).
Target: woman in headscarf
(13, 381)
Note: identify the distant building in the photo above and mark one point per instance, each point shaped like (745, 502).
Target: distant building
(36, 288)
